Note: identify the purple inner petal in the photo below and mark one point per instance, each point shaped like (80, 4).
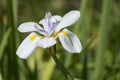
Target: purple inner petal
(50, 26)
(48, 22)
(41, 30)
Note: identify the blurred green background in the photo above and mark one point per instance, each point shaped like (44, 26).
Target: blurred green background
(98, 29)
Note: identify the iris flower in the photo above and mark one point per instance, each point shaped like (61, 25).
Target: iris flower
(45, 33)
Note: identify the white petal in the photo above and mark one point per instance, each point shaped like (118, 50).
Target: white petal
(55, 19)
(43, 22)
(27, 46)
(46, 42)
(68, 19)
(70, 41)
(28, 27)
(48, 15)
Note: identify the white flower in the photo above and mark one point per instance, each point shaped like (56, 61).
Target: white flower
(50, 28)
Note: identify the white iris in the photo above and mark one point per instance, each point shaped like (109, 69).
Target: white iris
(50, 28)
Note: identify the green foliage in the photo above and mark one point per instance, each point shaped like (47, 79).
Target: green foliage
(103, 33)
(4, 42)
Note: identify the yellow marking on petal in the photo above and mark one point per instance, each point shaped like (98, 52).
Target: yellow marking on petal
(32, 38)
(65, 33)
(55, 34)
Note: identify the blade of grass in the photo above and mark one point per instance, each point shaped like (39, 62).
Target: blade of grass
(68, 58)
(12, 73)
(104, 26)
(4, 42)
(81, 26)
(1, 76)
(47, 74)
(15, 19)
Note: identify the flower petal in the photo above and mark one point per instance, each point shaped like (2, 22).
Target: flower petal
(46, 42)
(68, 19)
(43, 23)
(28, 27)
(27, 46)
(50, 23)
(70, 41)
(55, 19)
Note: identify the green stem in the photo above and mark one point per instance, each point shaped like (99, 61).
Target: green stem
(60, 65)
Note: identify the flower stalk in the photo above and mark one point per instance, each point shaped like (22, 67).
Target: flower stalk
(67, 75)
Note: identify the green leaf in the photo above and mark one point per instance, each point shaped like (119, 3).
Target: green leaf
(4, 42)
